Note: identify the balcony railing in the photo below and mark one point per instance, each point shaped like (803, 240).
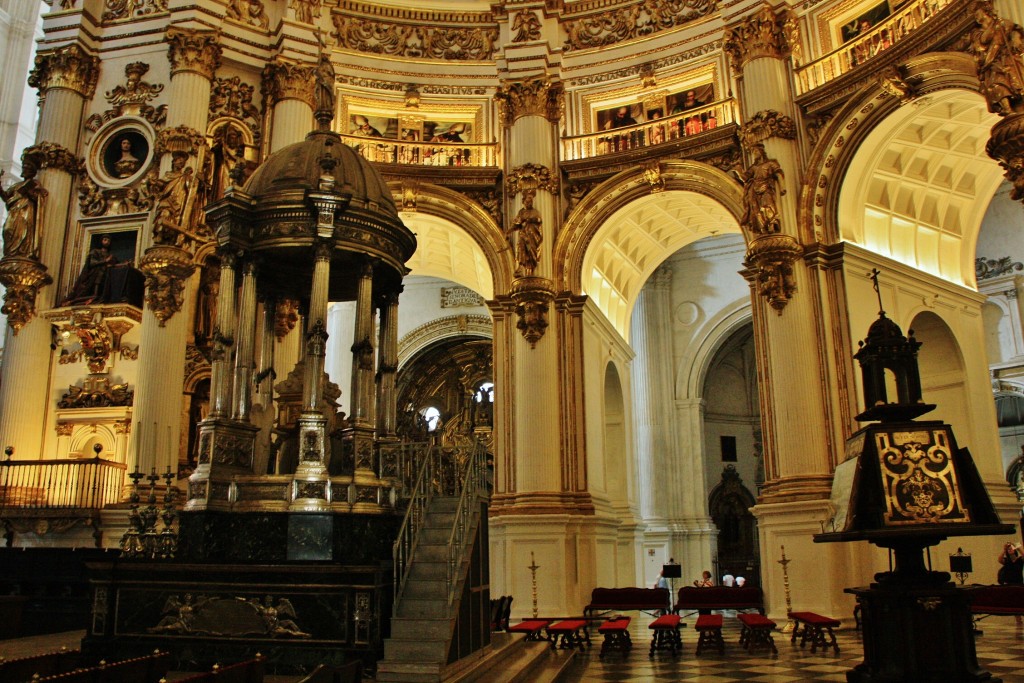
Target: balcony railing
(855, 52)
(650, 134)
(388, 151)
(50, 484)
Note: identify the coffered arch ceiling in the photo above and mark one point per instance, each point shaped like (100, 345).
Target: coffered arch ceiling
(443, 250)
(637, 238)
(920, 184)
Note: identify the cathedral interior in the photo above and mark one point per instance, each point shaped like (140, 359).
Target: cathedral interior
(280, 275)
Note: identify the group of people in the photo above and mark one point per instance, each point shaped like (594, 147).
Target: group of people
(705, 580)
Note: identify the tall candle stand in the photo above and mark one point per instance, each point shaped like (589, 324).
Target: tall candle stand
(533, 574)
(788, 628)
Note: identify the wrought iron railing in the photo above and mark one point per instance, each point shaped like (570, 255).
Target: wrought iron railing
(87, 483)
(867, 45)
(651, 133)
(388, 151)
(474, 484)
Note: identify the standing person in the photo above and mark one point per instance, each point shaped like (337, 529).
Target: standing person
(1012, 570)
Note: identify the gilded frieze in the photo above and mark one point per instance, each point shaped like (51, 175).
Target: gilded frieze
(765, 34)
(636, 20)
(114, 10)
(415, 41)
(69, 67)
(195, 51)
(249, 12)
(232, 97)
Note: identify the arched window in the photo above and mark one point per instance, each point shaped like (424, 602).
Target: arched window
(431, 417)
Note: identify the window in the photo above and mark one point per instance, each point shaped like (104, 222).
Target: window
(728, 448)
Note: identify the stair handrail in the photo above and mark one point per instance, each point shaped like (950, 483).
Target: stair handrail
(474, 479)
(408, 534)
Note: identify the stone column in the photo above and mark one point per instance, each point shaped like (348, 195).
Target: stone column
(289, 86)
(223, 338)
(363, 351)
(245, 344)
(66, 78)
(167, 262)
(387, 366)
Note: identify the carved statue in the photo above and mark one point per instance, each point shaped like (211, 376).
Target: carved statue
(306, 10)
(249, 12)
(324, 95)
(526, 27)
(228, 152)
(525, 235)
(23, 202)
(172, 193)
(761, 192)
(89, 286)
(998, 45)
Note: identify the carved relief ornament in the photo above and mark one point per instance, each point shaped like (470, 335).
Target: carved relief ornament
(233, 97)
(532, 296)
(636, 20)
(764, 34)
(426, 39)
(51, 155)
(287, 80)
(765, 124)
(180, 140)
(119, 9)
(69, 67)
(132, 98)
(166, 269)
(534, 97)
(530, 177)
(195, 51)
(770, 261)
(249, 12)
(1006, 145)
(22, 278)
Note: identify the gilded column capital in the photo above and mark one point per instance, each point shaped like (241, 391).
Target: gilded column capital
(1006, 145)
(533, 97)
(166, 269)
(530, 177)
(765, 124)
(764, 34)
(769, 263)
(284, 79)
(180, 140)
(195, 51)
(69, 67)
(51, 155)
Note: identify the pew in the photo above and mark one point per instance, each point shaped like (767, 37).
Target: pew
(653, 601)
(691, 598)
(997, 600)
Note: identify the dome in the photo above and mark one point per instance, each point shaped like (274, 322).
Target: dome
(884, 330)
(297, 168)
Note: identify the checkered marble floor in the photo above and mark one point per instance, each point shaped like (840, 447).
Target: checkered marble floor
(1000, 651)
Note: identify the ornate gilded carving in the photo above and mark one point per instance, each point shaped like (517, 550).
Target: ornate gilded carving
(249, 12)
(51, 155)
(639, 19)
(69, 67)
(1006, 145)
(530, 177)
(525, 235)
(525, 26)
(233, 97)
(286, 315)
(412, 97)
(491, 202)
(195, 51)
(761, 190)
(180, 140)
(988, 268)
(306, 11)
(770, 258)
(533, 97)
(997, 45)
(532, 296)
(64, 428)
(652, 174)
(166, 269)
(97, 392)
(766, 124)
(132, 98)
(815, 126)
(96, 201)
(893, 83)
(284, 79)
(918, 478)
(129, 9)
(764, 34)
(24, 202)
(416, 41)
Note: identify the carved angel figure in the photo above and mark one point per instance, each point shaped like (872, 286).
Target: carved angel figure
(178, 615)
(761, 192)
(280, 618)
(998, 45)
(526, 27)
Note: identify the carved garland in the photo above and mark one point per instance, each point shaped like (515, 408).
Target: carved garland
(633, 21)
(415, 41)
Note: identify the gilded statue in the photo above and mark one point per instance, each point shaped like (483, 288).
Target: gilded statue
(526, 26)
(249, 12)
(306, 10)
(525, 235)
(172, 195)
(324, 94)
(23, 201)
(761, 193)
(998, 45)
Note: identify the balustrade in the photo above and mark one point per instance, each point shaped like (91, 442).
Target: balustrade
(87, 483)
(388, 151)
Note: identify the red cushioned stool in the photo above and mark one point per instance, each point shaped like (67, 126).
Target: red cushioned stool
(573, 633)
(666, 634)
(533, 628)
(757, 630)
(710, 628)
(616, 635)
(814, 628)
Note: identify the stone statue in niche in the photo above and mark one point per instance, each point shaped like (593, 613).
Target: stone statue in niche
(88, 287)
(23, 201)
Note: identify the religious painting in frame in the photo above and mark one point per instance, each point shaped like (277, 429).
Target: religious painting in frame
(447, 131)
(620, 116)
(373, 126)
(864, 22)
(690, 98)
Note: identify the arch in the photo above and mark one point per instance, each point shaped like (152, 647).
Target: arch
(83, 438)
(858, 171)
(942, 370)
(439, 329)
(694, 365)
(628, 225)
(451, 223)
(615, 450)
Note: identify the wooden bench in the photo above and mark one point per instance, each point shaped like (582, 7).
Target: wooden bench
(573, 633)
(666, 634)
(533, 628)
(691, 598)
(813, 627)
(756, 631)
(616, 636)
(709, 626)
(997, 600)
(654, 601)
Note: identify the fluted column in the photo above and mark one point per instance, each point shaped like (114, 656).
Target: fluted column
(245, 345)
(265, 354)
(223, 339)
(66, 78)
(194, 57)
(363, 351)
(289, 85)
(388, 366)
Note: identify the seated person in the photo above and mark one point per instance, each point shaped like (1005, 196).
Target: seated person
(704, 581)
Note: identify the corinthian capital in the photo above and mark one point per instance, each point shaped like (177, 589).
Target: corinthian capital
(51, 155)
(765, 34)
(534, 97)
(195, 51)
(69, 67)
(284, 79)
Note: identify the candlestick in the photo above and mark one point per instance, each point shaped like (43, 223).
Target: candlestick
(790, 625)
(533, 573)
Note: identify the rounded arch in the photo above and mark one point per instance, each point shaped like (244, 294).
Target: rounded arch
(694, 365)
(943, 370)
(453, 231)
(83, 440)
(629, 224)
(439, 329)
(895, 175)
(614, 432)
